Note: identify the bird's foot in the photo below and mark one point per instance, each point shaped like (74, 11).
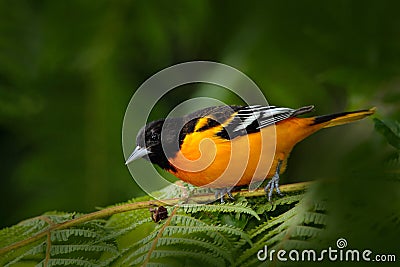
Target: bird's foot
(273, 184)
(220, 193)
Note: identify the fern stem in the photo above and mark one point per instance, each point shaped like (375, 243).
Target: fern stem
(160, 233)
(135, 206)
(48, 248)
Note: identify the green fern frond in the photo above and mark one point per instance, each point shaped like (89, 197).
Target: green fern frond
(148, 238)
(89, 247)
(227, 229)
(163, 264)
(265, 227)
(180, 219)
(184, 231)
(223, 235)
(196, 244)
(285, 200)
(69, 262)
(229, 208)
(290, 230)
(217, 237)
(205, 258)
(315, 218)
(18, 232)
(116, 232)
(36, 250)
(126, 219)
(60, 217)
(172, 191)
(65, 234)
(213, 247)
(130, 253)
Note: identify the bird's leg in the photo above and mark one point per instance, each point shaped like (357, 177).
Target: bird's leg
(220, 193)
(274, 183)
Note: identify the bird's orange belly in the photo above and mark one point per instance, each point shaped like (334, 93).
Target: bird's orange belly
(217, 163)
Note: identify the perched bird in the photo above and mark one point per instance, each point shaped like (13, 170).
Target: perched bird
(226, 146)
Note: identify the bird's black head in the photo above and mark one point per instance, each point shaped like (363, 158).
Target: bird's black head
(149, 144)
(149, 137)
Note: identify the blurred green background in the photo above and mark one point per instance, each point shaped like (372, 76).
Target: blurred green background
(69, 68)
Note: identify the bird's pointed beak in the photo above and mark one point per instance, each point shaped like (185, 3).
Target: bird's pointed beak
(138, 153)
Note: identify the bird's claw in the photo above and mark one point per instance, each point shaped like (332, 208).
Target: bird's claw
(273, 184)
(220, 193)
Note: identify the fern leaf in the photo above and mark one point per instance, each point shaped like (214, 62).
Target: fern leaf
(115, 233)
(193, 234)
(315, 218)
(64, 249)
(14, 234)
(230, 207)
(230, 230)
(69, 262)
(390, 130)
(64, 235)
(145, 240)
(204, 257)
(179, 219)
(290, 230)
(286, 200)
(272, 223)
(126, 219)
(198, 244)
(213, 247)
(38, 249)
(161, 264)
(184, 220)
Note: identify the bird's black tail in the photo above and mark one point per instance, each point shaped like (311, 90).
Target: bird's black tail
(343, 117)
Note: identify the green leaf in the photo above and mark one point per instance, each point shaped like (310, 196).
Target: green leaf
(390, 130)
(229, 207)
(214, 234)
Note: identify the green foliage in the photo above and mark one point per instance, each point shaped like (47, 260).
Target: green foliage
(65, 81)
(293, 229)
(235, 208)
(203, 235)
(391, 131)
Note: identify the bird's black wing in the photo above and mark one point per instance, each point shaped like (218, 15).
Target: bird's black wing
(215, 115)
(238, 120)
(251, 119)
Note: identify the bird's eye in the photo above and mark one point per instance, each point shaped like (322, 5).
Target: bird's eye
(154, 137)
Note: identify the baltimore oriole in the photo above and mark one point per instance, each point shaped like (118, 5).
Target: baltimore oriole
(225, 146)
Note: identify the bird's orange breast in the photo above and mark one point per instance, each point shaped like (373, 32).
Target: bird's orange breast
(211, 161)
